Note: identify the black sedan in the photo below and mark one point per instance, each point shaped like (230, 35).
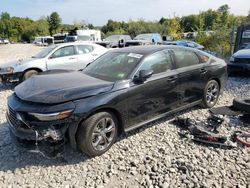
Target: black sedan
(120, 91)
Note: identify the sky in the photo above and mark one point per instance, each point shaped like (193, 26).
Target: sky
(98, 12)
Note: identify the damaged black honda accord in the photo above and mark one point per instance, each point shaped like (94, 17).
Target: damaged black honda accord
(120, 91)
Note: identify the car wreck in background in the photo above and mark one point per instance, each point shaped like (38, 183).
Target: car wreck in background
(240, 61)
(115, 41)
(145, 39)
(186, 43)
(68, 56)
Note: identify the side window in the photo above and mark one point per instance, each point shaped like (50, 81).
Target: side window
(185, 58)
(158, 62)
(84, 49)
(64, 51)
(203, 58)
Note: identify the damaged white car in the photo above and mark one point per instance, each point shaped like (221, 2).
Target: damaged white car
(70, 56)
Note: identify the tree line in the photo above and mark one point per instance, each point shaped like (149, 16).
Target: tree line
(221, 22)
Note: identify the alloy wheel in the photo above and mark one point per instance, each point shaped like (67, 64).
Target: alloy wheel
(212, 93)
(103, 134)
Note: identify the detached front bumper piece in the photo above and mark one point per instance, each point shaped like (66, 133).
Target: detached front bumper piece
(46, 138)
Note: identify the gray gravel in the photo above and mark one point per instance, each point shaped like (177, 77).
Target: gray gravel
(154, 156)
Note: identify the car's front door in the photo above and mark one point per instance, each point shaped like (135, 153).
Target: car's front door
(63, 58)
(191, 73)
(157, 94)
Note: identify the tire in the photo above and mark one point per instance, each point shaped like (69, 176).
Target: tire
(242, 105)
(29, 73)
(91, 136)
(211, 94)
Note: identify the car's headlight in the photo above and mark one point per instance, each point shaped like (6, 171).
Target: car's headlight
(7, 69)
(231, 59)
(52, 116)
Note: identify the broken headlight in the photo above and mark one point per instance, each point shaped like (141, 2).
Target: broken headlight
(52, 116)
(232, 59)
(7, 70)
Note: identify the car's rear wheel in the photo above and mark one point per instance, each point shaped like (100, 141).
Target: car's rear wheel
(211, 94)
(29, 74)
(97, 133)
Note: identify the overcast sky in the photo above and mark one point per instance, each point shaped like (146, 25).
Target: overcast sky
(98, 12)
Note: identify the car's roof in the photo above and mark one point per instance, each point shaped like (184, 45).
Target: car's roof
(145, 50)
(75, 43)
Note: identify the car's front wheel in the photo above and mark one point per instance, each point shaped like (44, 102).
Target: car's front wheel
(29, 73)
(211, 94)
(97, 133)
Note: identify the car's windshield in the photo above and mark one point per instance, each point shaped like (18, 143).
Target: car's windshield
(113, 38)
(143, 37)
(113, 66)
(45, 52)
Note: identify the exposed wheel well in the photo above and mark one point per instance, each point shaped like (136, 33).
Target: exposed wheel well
(217, 80)
(36, 69)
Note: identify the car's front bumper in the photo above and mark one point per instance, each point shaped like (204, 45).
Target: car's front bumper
(238, 67)
(47, 136)
(11, 77)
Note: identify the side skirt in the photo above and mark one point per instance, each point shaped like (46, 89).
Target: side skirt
(162, 115)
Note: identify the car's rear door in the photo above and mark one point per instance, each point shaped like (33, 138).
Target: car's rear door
(158, 94)
(191, 73)
(85, 54)
(63, 58)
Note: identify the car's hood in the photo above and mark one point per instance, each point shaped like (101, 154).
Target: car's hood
(245, 53)
(19, 62)
(62, 87)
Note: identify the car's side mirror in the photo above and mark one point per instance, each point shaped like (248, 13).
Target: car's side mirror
(144, 75)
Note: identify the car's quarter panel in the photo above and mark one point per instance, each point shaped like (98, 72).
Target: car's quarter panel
(217, 70)
(155, 96)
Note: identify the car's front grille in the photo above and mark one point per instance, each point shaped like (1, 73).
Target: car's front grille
(12, 116)
(242, 60)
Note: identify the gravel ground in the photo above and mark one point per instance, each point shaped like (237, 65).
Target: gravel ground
(11, 52)
(153, 156)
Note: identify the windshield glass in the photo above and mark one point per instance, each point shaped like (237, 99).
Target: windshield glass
(143, 37)
(113, 66)
(113, 38)
(45, 52)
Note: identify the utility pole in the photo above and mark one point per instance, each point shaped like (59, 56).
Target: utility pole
(232, 38)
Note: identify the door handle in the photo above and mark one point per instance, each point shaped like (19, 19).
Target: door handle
(71, 58)
(172, 78)
(203, 71)
(94, 54)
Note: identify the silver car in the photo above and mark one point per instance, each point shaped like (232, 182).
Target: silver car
(69, 56)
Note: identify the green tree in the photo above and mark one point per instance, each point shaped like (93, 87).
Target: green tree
(54, 21)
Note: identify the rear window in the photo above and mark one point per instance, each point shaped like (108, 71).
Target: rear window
(185, 58)
(203, 58)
